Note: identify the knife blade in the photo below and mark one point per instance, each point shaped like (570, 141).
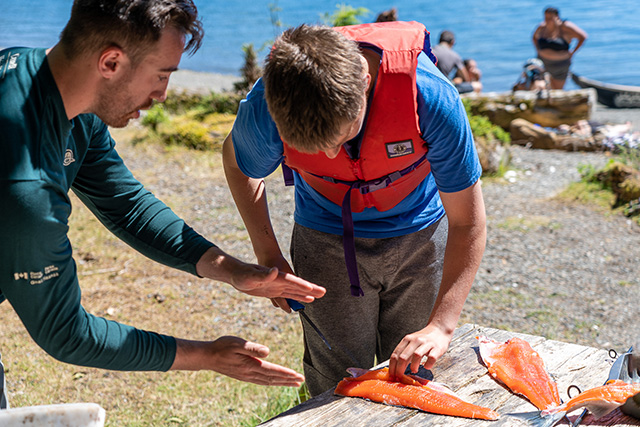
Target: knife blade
(298, 307)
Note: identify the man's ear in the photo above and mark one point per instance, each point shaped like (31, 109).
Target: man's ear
(111, 62)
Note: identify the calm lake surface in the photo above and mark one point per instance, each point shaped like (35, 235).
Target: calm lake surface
(497, 33)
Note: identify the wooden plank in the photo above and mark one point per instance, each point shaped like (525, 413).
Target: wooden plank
(463, 371)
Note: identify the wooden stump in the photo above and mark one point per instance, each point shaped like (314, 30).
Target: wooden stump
(547, 108)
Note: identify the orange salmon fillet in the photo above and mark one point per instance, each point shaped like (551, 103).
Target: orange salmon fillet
(521, 369)
(599, 400)
(411, 392)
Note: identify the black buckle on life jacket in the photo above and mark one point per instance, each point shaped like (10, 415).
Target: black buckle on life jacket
(377, 184)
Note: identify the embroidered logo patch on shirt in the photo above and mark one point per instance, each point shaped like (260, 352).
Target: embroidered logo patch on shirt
(399, 148)
(8, 62)
(68, 157)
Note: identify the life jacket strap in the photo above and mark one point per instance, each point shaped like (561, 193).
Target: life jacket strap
(348, 235)
(349, 244)
(287, 175)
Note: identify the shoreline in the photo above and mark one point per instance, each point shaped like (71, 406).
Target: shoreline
(205, 82)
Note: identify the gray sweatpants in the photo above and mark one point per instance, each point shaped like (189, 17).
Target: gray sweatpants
(400, 277)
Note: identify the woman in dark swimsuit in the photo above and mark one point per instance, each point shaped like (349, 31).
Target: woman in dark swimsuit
(552, 39)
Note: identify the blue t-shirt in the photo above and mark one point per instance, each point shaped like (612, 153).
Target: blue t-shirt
(444, 126)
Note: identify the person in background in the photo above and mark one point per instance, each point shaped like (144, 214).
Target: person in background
(114, 58)
(450, 63)
(472, 68)
(474, 74)
(552, 39)
(389, 214)
(388, 15)
(533, 76)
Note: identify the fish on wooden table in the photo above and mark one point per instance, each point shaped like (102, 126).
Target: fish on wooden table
(409, 391)
(521, 369)
(599, 401)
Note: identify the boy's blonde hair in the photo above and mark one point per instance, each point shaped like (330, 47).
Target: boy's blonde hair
(314, 84)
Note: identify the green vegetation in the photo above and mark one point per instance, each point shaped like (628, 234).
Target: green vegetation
(614, 188)
(195, 121)
(526, 224)
(285, 399)
(250, 71)
(482, 127)
(345, 15)
(202, 104)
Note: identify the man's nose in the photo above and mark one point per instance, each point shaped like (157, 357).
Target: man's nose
(160, 94)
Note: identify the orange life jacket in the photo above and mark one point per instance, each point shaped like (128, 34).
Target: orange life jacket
(392, 157)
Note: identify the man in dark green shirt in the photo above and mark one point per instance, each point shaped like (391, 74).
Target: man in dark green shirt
(113, 59)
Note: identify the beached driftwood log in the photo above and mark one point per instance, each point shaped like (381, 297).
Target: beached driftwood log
(547, 108)
(523, 132)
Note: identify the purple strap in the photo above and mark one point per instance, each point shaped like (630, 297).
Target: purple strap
(349, 243)
(287, 174)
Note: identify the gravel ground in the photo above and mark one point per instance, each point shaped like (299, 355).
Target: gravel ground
(551, 267)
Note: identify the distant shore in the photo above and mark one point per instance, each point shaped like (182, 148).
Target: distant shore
(201, 82)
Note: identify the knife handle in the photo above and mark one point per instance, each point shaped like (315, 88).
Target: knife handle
(295, 305)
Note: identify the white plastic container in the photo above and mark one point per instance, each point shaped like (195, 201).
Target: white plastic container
(62, 415)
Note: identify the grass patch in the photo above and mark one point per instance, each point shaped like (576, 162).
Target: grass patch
(597, 196)
(525, 224)
(594, 194)
(282, 400)
(614, 188)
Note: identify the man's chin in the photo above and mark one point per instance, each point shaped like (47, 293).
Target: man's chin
(119, 123)
(123, 121)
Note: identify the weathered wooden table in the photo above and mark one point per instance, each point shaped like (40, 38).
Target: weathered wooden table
(462, 370)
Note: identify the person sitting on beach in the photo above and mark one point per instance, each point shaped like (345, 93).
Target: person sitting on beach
(450, 63)
(533, 77)
(474, 75)
(113, 59)
(552, 40)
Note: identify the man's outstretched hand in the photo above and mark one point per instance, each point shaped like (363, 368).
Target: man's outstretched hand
(256, 280)
(235, 358)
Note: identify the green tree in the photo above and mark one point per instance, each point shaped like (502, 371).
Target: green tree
(251, 71)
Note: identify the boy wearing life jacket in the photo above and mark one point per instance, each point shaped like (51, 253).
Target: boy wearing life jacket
(389, 214)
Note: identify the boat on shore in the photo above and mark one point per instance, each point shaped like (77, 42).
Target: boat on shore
(609, 94)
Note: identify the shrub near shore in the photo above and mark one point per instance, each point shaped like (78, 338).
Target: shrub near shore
(200, 122)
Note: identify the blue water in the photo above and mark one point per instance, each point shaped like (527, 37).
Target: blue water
(497, 33)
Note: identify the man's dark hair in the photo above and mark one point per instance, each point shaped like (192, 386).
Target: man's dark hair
(447, 37)
(552, 10)
(132, 25)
